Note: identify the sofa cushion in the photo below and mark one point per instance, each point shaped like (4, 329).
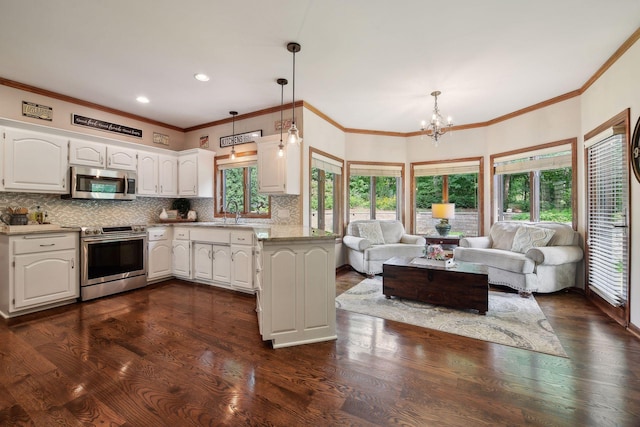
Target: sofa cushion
(502, 234)
(372, 232)
(384, 252)
(528, 237)
(392, 231)
(498, 258)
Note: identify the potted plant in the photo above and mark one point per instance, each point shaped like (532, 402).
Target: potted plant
(182, 206)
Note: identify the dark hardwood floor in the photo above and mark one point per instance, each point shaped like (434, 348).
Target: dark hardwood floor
(178, 354)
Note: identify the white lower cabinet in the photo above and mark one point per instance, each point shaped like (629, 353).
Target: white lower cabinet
(160, 253)
(203, 261)
(296, 303)
(38, 272)
(181, 258)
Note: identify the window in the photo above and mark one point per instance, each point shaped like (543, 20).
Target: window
(326, 191)
(453, 181)
(237, 183)
(375, 190)
(536, 184)
(607, 223)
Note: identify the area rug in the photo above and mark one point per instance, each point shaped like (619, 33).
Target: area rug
(511, 320)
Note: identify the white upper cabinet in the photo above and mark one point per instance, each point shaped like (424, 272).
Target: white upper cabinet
(157, 174)
(195, 173)
(121, 158)
(278, 175)
(35, 162)
(147, 174)
(167, 175)
(87, 153)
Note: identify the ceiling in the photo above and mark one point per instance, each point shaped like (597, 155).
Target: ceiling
(367, 64)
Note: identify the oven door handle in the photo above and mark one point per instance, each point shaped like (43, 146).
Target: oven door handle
(112, 239)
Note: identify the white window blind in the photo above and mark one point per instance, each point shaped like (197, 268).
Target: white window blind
(439, 169)
(240, 162)
(606, 207)
(534, 162)
(375, 170)
(326, 164)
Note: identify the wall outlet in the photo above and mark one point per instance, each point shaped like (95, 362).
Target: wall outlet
(283, 213)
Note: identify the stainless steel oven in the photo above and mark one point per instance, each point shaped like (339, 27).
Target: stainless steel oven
(113, 259)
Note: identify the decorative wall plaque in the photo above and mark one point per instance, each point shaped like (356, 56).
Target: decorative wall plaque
(239, 138)
(79, 120)
(159, 138)
(204, 141)
(37, 111)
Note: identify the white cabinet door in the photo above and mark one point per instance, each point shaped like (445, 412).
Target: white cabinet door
(278, 175)
(203, 261)
(87, 153)
(121, 158)
(167, 175)
(182, 258)
(195, 173)
(147, 174)
(160, 257)
(242, 267)
(45, 277)
(298, 293)
(188, 175)
(222, 264)
(35, 162)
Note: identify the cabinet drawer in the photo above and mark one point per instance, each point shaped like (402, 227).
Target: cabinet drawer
(181, 234)
(57, 242)
(159, 233)
(210, 235)
(242, 237)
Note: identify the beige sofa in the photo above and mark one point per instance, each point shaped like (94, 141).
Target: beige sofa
(369, 243)
(528, 257)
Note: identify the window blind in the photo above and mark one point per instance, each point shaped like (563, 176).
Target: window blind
(240, 162)
(606, 225)
(439, 169)
(326, 164)
(375, 170)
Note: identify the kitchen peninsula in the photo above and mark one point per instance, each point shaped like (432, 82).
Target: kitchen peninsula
(291, 270)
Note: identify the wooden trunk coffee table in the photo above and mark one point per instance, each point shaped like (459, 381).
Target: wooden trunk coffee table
(464, 286)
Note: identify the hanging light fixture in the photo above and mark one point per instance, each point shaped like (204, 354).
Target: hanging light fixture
(437, 126)
(294, 135)
(281, 82)
(233, 136)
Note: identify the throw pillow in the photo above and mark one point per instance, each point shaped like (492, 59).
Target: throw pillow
(531, 237)
(372, 232)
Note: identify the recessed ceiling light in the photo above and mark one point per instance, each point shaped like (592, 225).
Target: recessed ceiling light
(142, 99)
(201, 77)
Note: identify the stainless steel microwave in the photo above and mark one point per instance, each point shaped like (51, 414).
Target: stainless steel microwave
(102, 184)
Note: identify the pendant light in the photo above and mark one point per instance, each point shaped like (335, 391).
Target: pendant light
(294, 135)
(233, 136)
(281, 82)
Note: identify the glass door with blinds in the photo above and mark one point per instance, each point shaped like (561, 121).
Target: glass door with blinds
(607, 221)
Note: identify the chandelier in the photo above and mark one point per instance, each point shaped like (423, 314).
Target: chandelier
(437, 126)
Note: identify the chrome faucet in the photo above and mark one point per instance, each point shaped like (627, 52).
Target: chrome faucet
(235, 203)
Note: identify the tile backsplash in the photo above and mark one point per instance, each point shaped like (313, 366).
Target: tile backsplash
(143, 210)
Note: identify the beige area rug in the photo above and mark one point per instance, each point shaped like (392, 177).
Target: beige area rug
(511, 320)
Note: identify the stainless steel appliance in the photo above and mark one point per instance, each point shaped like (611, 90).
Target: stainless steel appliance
(90, 183)
(113, 259)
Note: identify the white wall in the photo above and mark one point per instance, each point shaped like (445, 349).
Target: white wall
(617, 90)
(11, 108)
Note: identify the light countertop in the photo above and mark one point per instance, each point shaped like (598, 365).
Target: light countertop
(265, 232)
(35, 229)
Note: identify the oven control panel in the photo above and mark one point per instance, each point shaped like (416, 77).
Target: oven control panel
(114, 230)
